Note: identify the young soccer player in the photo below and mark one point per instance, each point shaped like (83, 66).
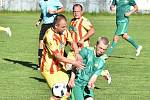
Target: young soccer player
(122, 20)
(7, 30)
(83, 80)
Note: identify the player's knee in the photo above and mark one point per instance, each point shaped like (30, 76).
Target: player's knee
(125, 36)
(116, 39)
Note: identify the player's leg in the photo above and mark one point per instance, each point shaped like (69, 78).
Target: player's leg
(133, 42)
(88, 93)
(77, 92)
(7, 30)
(113, 44)
(41, 35)
(53, 80)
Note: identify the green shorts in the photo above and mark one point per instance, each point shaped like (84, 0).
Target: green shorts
(122, 27)
(81, 92)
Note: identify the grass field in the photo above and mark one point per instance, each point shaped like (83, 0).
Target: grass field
(18, 55)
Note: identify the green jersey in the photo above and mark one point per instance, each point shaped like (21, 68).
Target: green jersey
(122, 7)
(93, 65)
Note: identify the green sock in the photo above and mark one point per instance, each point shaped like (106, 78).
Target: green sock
(130, 40)
(109, 51)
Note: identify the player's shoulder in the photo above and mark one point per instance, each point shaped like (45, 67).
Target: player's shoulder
(49, 34)
(85, 19)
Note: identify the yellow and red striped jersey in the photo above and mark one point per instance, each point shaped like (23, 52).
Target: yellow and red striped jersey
(53, 43)
(78, 28)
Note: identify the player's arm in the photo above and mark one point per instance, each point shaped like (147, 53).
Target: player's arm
(90, 31)
(77, 63)
(72, 78)
(96, 74)
(87, 36)
(135, 8)
(56, 11)
(60, 9)
(92, 81)
(39, 20)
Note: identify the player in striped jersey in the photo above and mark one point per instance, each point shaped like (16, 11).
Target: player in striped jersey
(49, 9)
(53, 62)
(81, 30)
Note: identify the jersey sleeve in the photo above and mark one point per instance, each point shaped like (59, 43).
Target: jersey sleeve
(100, 67)
(87, 24)
(50, 44)
(132, 2)
(84, 52)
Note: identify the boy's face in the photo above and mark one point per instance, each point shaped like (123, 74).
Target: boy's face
(100, 48)
(77, 12)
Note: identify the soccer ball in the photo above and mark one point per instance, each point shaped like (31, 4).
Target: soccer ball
(59, 90)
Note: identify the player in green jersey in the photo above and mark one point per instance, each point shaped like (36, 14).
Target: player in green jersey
(122, 20)
(85, 78)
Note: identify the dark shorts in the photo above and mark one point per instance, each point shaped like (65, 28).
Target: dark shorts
(44, 28)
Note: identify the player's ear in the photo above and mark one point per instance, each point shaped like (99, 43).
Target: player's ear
(56, 25)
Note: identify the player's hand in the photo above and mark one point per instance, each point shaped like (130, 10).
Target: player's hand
(80, 43)
(128, 14)
(37, 23)
(51, 11)
(78, 64)
(91, 85)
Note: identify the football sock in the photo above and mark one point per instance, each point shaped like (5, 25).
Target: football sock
(39, 56)
(109, 51)
(130, 40)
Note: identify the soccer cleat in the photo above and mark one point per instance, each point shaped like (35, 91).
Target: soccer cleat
(8, 31)
(138, 50)
(108, 77)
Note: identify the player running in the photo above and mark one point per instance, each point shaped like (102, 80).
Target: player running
(122, 20)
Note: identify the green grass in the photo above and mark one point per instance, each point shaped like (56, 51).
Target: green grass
(18, 55)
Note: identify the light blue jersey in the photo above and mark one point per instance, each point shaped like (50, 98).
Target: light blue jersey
(45, 6)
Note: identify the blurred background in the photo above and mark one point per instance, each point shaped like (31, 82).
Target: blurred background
(89, 5)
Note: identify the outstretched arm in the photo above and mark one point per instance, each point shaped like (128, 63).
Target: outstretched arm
(92, 81)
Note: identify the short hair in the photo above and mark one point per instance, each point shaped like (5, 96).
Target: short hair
(103, 39)
(58, 18)
(75, 5)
